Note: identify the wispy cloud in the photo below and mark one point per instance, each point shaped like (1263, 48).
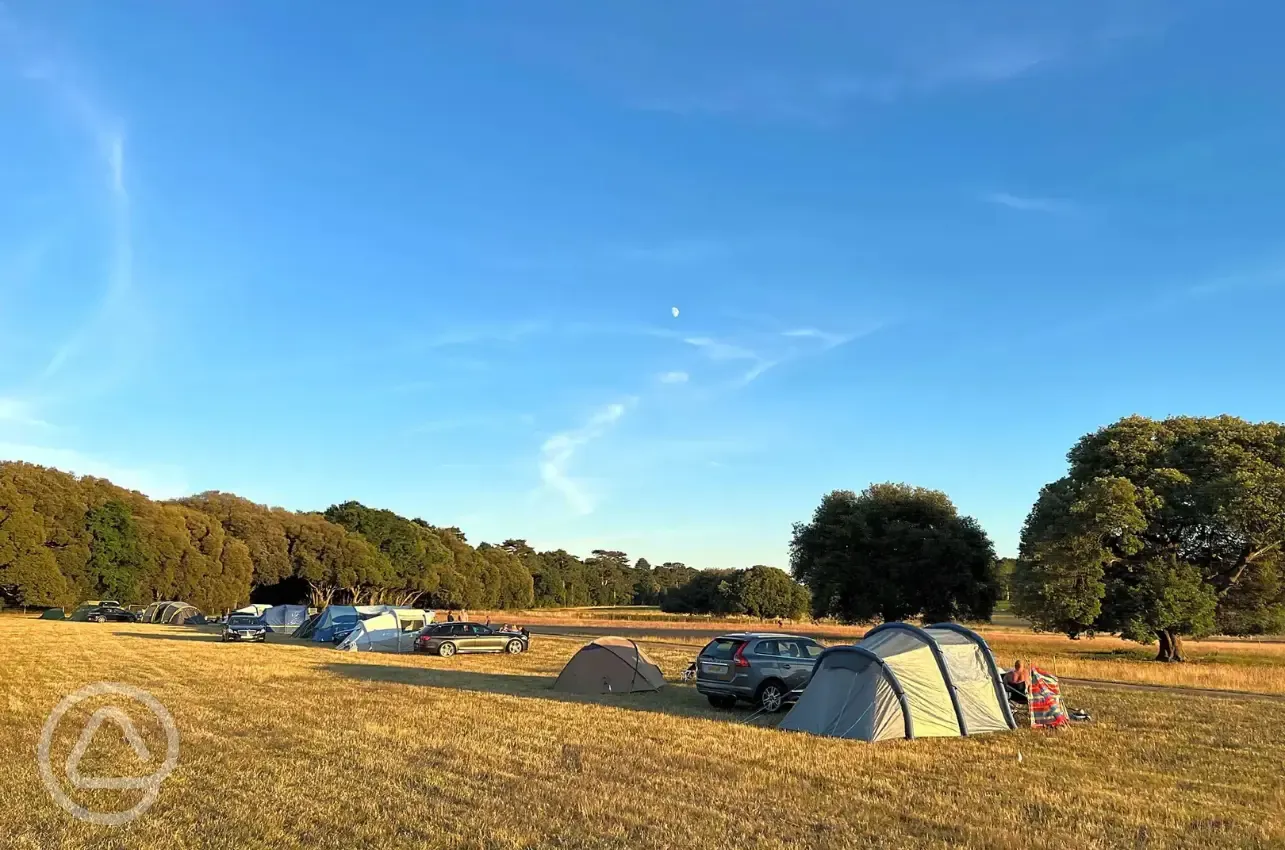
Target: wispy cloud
(827, 338)
(506, 332)
(115, 329)
(824, 97)
(558, 451)
(20, 412)
(720, 350)
(165, 482)
(1027, 203)
(673, 377)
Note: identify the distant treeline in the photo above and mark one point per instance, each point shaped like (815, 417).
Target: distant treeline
(64, 539)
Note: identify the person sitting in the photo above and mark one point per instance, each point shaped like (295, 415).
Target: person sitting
(1016, 682)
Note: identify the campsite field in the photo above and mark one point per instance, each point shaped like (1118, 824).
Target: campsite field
(1253, 666)
(293, 745)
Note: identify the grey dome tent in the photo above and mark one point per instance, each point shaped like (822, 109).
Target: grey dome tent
(609, 665)
(903, 681)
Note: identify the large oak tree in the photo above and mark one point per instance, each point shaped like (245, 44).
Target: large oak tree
(1160, 529)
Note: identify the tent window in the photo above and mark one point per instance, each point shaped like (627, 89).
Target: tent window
(412, 625)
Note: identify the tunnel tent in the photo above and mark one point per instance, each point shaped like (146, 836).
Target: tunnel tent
(609, 665)
(285, 619)
(394, 630)
(338, 620)
(177, 614)
(148, 614)
(902, 681)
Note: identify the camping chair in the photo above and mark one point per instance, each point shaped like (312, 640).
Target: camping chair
(689, 675)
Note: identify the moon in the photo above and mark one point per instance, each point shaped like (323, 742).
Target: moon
(674, 310)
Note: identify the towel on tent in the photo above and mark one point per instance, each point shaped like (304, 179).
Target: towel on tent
(1046, 707)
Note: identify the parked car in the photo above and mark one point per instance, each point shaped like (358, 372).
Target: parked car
(111, 613)
(446, 639)
(767, 670)
(245, 627)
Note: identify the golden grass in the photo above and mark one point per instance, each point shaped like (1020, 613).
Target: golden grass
(1220, 664)
(291, 745)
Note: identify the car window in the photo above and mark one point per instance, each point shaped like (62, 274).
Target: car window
(813, 650)
(722, 648)
(481, 630)
(768, 647)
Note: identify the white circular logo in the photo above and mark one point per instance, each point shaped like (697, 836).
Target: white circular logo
(149, 785)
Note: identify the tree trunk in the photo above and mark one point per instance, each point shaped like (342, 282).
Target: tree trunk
(1170, 646)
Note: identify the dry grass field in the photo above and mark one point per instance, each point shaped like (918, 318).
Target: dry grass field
(290, 745)
(1220, 664)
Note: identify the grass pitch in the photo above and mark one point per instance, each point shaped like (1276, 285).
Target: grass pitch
(287, 745)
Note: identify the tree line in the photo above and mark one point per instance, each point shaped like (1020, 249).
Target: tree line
(1159, 530)
(64, 539)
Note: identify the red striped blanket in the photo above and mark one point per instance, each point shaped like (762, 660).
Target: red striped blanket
(1045, 697)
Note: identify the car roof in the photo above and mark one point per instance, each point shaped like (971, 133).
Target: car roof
(760, 635)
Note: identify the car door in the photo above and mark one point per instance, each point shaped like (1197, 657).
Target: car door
(474, 639)
(795, 663)
(767, 661)
(492, 639)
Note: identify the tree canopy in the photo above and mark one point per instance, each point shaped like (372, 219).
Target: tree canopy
(894, 552)
(1160, 529)
(64, 539)
(764, 592)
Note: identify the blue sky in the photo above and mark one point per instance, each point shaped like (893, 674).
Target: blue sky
(426, 257)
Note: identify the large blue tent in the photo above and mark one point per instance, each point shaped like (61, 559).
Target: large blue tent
(285, 618)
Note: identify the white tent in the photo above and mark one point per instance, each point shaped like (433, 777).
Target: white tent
(254, 610)
(902, 681)
(337, 621)
(394, 630)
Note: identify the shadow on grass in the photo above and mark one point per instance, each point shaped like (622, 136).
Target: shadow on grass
(677, 700)
(206, 637)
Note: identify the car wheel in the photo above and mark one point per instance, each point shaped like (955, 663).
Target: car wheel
(771, 696)
(446, 650)
(722, 701)
(515, 646)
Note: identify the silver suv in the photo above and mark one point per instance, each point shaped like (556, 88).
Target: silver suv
(764, 669)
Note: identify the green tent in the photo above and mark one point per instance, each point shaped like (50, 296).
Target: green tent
(53, 614)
